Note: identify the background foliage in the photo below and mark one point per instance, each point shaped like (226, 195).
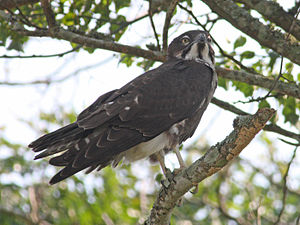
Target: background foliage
(261, 191)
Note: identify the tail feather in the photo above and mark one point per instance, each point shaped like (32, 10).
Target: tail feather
(65, 173)
(66, 133)
(60, 140)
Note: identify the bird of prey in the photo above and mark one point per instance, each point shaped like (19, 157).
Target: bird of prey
(148, 117)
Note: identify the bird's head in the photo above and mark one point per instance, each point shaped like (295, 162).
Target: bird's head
(191, 45)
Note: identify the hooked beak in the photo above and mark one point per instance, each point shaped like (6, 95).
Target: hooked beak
(201, 38)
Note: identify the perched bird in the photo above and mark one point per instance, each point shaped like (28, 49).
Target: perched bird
(148, 117)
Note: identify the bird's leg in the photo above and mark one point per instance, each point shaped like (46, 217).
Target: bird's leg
(180, 160)
(166, 171)
(161, 161)
(179, 157)
(182, 166)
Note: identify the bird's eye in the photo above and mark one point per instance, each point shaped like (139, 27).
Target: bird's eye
(209, 39)
(185, 40)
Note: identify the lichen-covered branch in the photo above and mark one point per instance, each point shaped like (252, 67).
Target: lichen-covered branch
(217, 157)
(272, 11)
(265, 35)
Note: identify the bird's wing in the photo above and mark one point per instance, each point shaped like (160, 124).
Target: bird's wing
(148, 106)
(138, 112)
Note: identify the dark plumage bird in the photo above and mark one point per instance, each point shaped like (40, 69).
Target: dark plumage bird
(149, 116)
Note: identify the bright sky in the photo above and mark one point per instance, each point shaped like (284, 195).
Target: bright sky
(25, 102)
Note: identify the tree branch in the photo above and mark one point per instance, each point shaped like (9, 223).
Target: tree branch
(252, 79)
(49, 15)
(9, 4)
(153, 25)
(168, 18)
(269, 127)
(261, 81)
(242, 20)
(217, 157)
(41, 56)
(95, 43)
(275, 13)
(285, 189)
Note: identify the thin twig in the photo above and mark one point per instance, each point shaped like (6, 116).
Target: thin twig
(266, 36)
(290, 143)
(222, 206)
(153, 25)
(41, 56)
(252, 99)
(127, 23)
(49, 81)
(169, 15)
(285, 187)
(27, 20)
(22, 18)
(281, 66)
(268, 176)
(269, 127)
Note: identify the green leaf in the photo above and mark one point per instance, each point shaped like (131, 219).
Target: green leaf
(289, 110)
(264, 104)
(146, 64)
(247, 55)
(245, 88)
(15, 45)
(126, 59)
(222, 83)
(241, 41)
(289, 67)
(273, 56)
(68, 19)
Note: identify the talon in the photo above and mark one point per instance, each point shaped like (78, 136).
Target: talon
(178, 170)
(169, 175)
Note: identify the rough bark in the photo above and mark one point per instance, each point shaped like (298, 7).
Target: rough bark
(272, 11)
(265, 35)
(217, 157)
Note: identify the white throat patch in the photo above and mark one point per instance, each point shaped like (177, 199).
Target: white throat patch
(205, 55)
(193, 53)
